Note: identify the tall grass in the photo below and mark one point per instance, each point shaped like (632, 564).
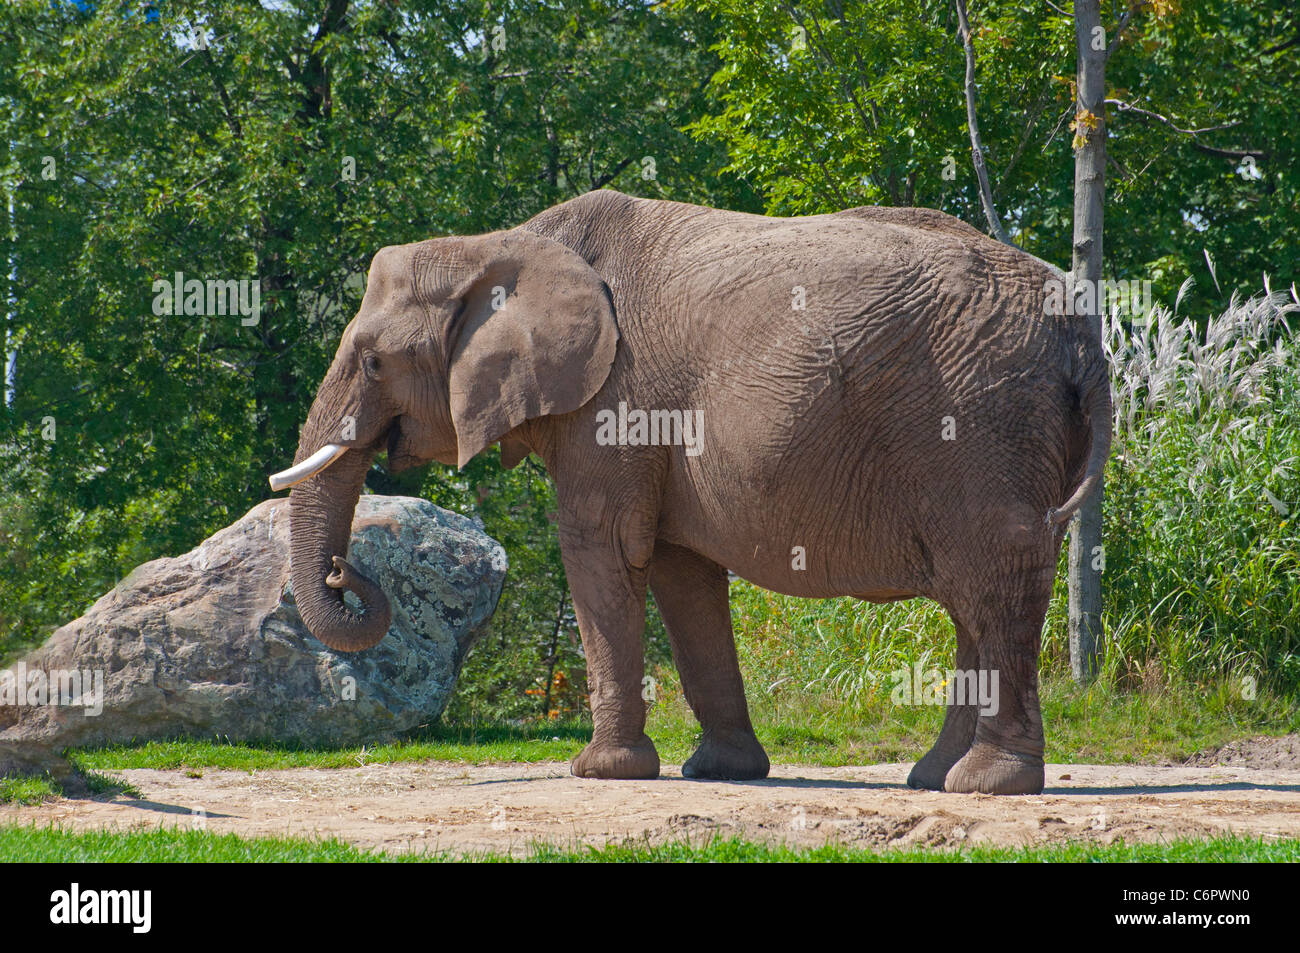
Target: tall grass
(839, 648)
(1202, 547)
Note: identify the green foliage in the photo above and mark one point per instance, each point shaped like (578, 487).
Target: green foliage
(830, 105)
(531, 665)
(1228, 69)
(846, 649)
(867, 106)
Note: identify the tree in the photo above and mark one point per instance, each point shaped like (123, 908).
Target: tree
(1089, 198)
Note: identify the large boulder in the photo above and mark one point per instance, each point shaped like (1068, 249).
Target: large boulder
(210, 644)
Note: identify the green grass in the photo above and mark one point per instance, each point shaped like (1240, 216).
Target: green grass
(53, 845)
(49, 844)
(35, 790)
(27, 790)
(482, 745)
(1219, 850)
(1101, 724)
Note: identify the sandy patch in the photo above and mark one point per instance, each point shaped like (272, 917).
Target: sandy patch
(440, 806)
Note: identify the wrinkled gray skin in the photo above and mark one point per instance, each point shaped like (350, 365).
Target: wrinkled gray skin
(823, 434)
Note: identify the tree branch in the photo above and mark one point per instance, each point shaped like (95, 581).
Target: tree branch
(609, 176)
(1044, 100)
(1191, 133)
(1260, 154)
(1123, 25)
(976, 147)
(232, 119)
(1148, 114)
(1286, 45)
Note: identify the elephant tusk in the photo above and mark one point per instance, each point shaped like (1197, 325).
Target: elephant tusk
(313, 465)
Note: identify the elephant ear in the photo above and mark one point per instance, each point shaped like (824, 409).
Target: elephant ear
(534, 335)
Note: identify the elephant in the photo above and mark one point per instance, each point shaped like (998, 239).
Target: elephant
(873, 403)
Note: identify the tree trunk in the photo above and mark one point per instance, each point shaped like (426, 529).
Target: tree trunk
(1089, 198)
(11, 307)
(550, 658)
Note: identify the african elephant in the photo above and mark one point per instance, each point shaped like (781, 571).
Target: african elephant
(870, 403)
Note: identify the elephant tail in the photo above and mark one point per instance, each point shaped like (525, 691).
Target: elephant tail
(1098, 409)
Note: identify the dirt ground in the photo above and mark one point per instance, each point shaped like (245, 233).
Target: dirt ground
(440, 806)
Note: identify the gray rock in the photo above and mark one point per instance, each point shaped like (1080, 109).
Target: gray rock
(210, 644)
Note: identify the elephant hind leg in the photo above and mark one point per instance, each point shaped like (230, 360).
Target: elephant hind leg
(1007, 754)
(958, 732)
(692, 596)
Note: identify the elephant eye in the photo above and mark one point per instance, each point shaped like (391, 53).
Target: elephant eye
(370, 364)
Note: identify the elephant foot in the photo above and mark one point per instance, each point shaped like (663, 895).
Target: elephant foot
(986, 769)
(929, 773)
(635, 762)
(731, 757)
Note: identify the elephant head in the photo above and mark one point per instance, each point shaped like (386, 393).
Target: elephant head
(458, 341)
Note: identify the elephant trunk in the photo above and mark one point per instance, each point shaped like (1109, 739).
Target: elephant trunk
(320, 526)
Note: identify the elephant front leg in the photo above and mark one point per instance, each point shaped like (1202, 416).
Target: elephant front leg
(609, 601)
(692, 596)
